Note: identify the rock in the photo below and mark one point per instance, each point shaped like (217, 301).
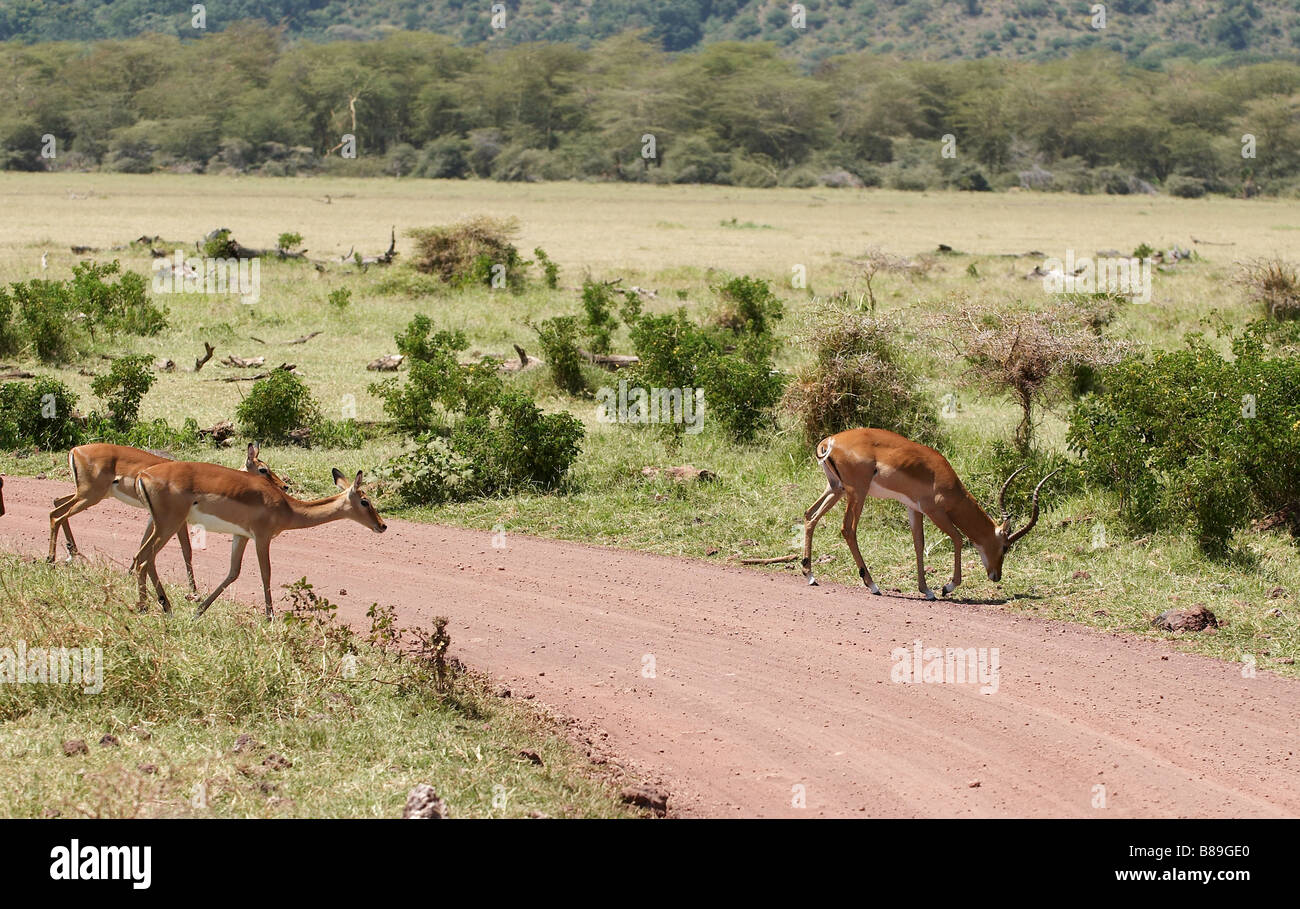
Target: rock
(1081, 576)
(74, 746)
(164, 365)
(1198, 618)
(973, 784)
(423, 802)
(532, 756)
(148, 768)
(1277, 593)
(645, 797)
(109, 741)
(246, 742)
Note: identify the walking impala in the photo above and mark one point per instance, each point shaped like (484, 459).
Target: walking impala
(231, 501)
(101, 470)
(875, 462)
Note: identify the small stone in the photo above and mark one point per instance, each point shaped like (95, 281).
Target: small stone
(973, 784)
(1198, 618)
(148, 768)
(532, 756)
(74, 746)
(109, 740)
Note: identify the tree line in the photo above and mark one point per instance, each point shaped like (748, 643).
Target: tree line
(249, 100)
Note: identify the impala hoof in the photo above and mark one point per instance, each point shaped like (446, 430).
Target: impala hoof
(929, 595)
(949, 588)
(812, 581)
(875, 590)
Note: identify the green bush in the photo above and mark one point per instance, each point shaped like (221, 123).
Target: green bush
(122, 388)
(550, 270)
(516, 445)
(275, 406)
(340, 298)
(1190, 438)
(39, 413)
(437, 385)
(740, 394)
(597, 305)
(559, 339)
(750, 310)
(50, 316)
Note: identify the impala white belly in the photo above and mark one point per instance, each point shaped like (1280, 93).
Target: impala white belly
(214, 524)
(880, 492)
(118, 492)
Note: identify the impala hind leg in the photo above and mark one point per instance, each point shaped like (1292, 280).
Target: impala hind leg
(849, 530)
(144, 566)
(237, 545)
(64, 508)
(810, 519)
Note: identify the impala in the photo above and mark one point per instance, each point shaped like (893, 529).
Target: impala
(101, 470)
(246, 507)
(875, 462)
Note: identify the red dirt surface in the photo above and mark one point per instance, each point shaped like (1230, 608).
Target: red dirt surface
(762, 685)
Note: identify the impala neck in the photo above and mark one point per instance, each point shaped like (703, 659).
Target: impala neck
(974, 522)
(315, 513)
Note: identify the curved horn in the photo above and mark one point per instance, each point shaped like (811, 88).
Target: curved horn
(1033, 517)
(1002, 496)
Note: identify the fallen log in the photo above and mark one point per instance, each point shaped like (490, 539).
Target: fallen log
(609, 361)
(218, 432)
(243, 362)
(389, 363)
(305, 338)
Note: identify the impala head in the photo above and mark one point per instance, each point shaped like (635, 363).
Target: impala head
(357, 503)
(256, 465)
(1004, 537)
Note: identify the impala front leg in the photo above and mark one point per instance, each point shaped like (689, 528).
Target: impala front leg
(264, 563)
(944, 523)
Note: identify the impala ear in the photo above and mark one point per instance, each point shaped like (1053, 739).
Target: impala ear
(339, 480)
(356, 484)
(253, 451)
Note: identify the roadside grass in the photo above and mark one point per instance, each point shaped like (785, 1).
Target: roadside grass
(681, 241)
(323, 737)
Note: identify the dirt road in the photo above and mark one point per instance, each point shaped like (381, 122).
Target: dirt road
(746, 693)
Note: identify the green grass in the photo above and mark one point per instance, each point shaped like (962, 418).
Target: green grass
(179, 694)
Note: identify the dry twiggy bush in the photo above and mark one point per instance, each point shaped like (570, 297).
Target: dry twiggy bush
(1273, 283)
(1028, 355)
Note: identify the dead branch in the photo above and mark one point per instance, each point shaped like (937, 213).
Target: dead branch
(199, 361)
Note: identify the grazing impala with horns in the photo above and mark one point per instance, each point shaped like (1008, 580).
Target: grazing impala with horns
(875, 462)
(231, 501)
(101, 470)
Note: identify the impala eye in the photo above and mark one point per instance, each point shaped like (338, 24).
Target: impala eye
(365, 502)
